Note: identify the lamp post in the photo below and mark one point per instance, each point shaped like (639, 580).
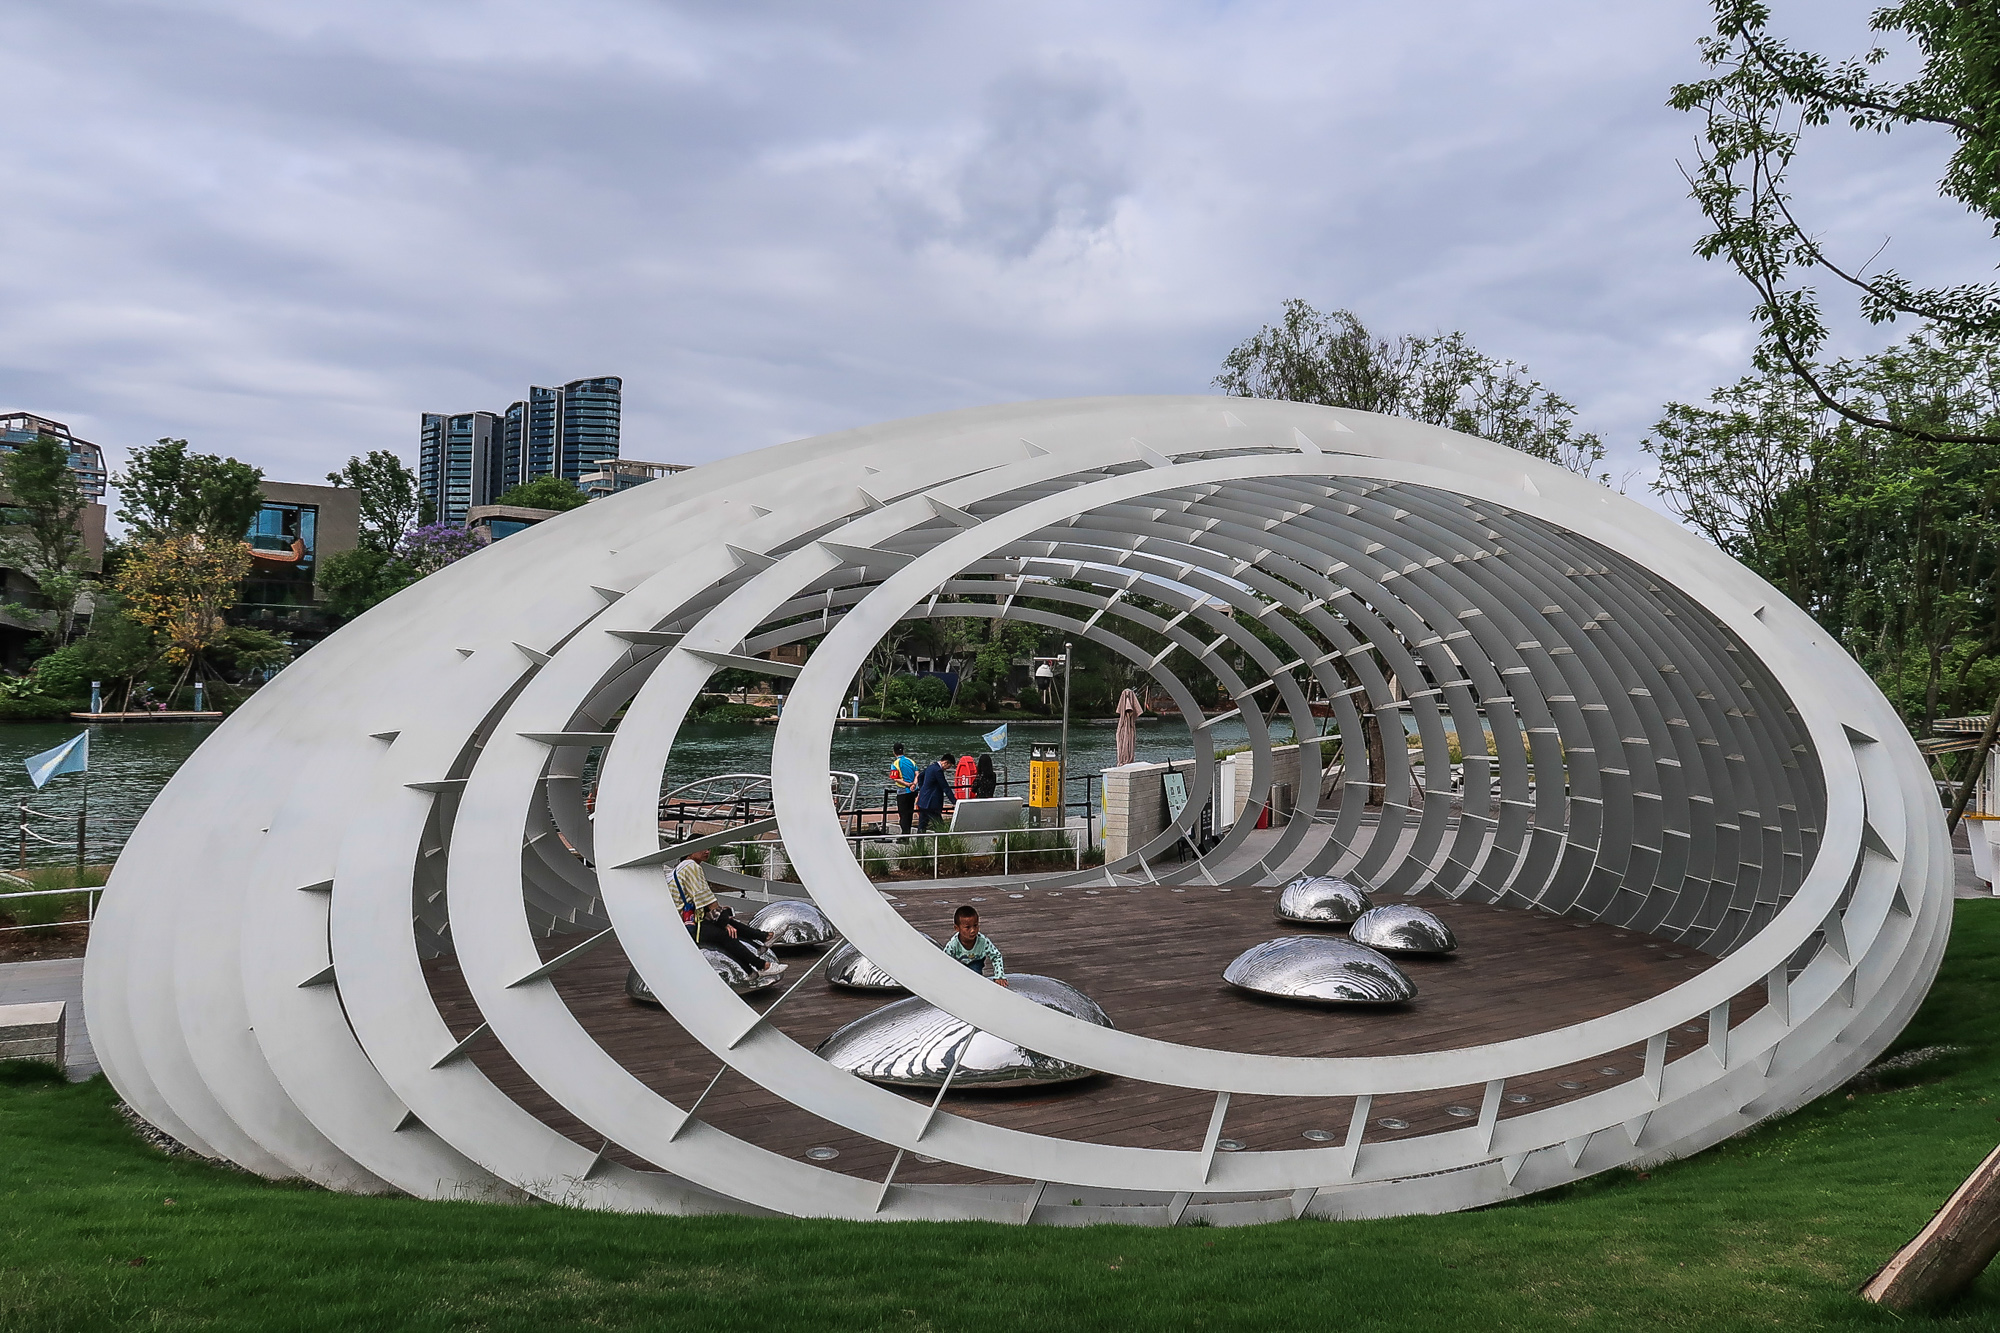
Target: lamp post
(1062, 749)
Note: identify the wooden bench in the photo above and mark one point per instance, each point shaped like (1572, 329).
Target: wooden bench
(34, 1032)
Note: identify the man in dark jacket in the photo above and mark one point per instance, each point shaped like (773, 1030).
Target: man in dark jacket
(933, 787)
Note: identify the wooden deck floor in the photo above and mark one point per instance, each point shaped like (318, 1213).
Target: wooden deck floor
(1153, 958)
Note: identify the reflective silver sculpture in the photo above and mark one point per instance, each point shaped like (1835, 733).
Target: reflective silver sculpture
(794, 923)
(913, 1044)
(1319, 968)
(734, 975)
(848, 969)
(1322, 900)
(1401, 928)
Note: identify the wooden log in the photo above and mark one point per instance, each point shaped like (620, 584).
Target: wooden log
(1950, 1253)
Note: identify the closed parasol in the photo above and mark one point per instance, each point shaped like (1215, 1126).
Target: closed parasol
(1128, 727)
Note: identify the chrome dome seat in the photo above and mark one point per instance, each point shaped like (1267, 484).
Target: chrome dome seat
(794, 923)
(1322, 900)
(848, 969)
(1401, 928)
(913, 1044)
(1320, 969)
(733, 974)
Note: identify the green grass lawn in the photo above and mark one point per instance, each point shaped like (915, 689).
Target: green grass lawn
(1771, 1231)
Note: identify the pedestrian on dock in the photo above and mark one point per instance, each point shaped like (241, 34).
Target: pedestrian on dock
(984, 780)
(973, 949)
(933, 790)
(903, 781)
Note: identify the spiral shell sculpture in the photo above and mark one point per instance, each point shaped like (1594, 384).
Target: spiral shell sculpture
(1668, 745)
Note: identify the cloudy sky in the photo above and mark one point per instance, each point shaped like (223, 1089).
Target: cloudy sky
(283, 229)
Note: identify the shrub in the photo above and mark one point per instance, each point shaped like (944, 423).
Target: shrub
(63, 674)
(54, 908)
(752, 857)
(878, 859)
(949, 855)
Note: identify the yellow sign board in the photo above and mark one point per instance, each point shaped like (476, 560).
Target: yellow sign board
(1044, 774)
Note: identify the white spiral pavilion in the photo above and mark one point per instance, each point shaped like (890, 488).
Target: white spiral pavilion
(1674, 749)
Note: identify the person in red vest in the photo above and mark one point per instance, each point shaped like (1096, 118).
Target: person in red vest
(963, 777)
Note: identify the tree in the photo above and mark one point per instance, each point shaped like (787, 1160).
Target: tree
(1757, 107)
(1311, 356)
(169, 492)
(555, 493)
(355, 580)
(430, 548)
(45, 520)
(179, 587)
(1889, 538)
(387, 492)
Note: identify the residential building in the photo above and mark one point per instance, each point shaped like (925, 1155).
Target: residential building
(85, 458)
(298, 528)
(622, 474)
(458, 462)
(468, 459)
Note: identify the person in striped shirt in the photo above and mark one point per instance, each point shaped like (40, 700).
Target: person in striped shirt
(713, 925)
(973, 949)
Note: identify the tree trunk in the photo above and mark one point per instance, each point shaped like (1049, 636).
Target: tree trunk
(1951, 1252)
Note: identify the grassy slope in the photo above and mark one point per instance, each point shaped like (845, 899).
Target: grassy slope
(1773, 1230)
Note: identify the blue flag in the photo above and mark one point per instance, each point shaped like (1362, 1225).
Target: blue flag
(996, 739)
(72, 756)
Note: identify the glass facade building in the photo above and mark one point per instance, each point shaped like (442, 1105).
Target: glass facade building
(567, 432)
(458, 462)
(284, 549)
(85, 458)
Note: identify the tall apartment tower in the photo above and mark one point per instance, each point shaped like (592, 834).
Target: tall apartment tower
(563, 432)
(472, 458)
(458, 463)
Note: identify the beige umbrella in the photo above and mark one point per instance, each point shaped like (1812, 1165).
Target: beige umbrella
(1128, 727)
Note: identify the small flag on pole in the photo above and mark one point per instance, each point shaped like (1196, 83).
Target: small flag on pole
(996, 739)
(72, 756)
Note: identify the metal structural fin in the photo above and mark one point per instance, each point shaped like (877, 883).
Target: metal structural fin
(323, 977)
(441, 785)
(608, 594)
(558, 738)
(744, 662)
(755, 560)
(535, 655)
(738, 833)
(565, 958)
(317, 886)
(458, 1051)
(386, 737)
(951, 513)
(648, 637)
(866, 557)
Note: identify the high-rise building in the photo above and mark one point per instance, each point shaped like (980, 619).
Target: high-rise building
(458, 462)
(85, 458)
(561, 432)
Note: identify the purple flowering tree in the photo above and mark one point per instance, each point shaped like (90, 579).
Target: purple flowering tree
(428, 549)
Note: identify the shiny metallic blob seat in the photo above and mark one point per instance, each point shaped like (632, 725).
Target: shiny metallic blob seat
(794, 923)
(913, 1044)
(1321, 969)
(1322, 900)
(849, 969)
(1401, 928)
(733, 974)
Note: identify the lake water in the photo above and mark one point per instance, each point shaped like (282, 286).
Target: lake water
(130, 764)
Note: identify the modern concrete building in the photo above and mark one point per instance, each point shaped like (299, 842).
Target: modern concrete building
(298, 528)
(472, 458)
(492, 522)
(17, 587)
(622, 474)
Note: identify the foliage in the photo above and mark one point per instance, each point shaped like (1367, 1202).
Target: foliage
(352, 581)
(925, 700)
(65, 673)
(169, 492)
(1771, 1229)
(116, 648)
(1757, 105)
(44, 517)
(245, 651)
(986, 678)
(55, 907)
(180, 586)
(752, 857)
(1889, 538)
(1330, 358)
(428, 549)
(386, 490)
(878, 859)
(558, 493)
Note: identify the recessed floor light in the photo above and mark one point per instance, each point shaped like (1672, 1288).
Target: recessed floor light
(1229, 1145)
(1571, 1084)
(1608, 1070)
(1393, 1122)
(1317, 1135)
(1519, 1098)
(822, 1154)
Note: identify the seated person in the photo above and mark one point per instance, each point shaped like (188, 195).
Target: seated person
(712, 925)
(973, 949)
